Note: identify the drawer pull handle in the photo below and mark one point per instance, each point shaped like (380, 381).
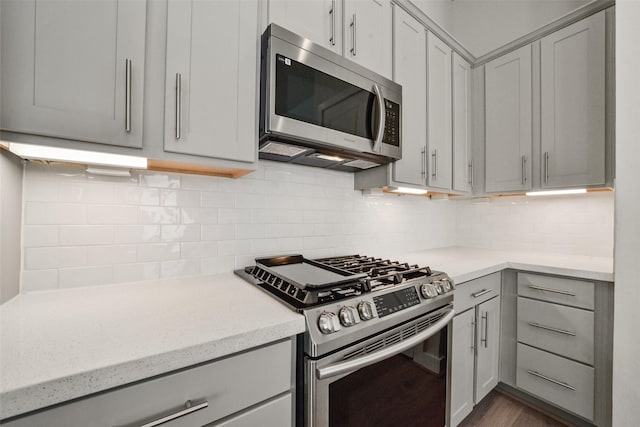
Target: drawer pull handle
(480, 293)
(189, 408)
(551, 380)
(555, 291)
(549, 328)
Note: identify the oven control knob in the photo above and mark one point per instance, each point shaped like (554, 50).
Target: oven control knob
(328, 323)
(447, 285)
(365, 309)
(438, 286)
(348, 316)
(428, 291)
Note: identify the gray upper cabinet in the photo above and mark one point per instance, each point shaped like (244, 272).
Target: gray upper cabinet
(74, 69)
(368, 33)
(439, 150)
(212, 78)
(410, 70)
(462, 131)
(508, 88)
(319, 21)
(573, 105)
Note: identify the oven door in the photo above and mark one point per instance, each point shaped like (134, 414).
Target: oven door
(398, 378)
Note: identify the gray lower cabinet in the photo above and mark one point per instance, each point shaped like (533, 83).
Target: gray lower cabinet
(556, 343)
(212, 78)
(475, 344)
(246, 389)
(74, 69)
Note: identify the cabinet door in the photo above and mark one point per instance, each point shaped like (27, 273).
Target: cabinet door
(463, 346)
(488, 347)
(573, 105)
(508, 122)
(74, 69)
(439, 113)
(410, 70)
(462, 148)
(368, 34)
(211, 81)
(318, 21)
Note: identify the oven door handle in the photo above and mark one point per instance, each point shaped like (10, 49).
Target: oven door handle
(369, 359)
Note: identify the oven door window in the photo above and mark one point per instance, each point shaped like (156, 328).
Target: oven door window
(306, 94)
(408, 389)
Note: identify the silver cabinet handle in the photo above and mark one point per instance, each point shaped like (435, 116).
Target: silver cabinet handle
(127, 96)
(524, 169)
(473, 334)
(178, 103)
(551, 380)
(434, 157)
(485, 317)
(480, 293)
(423, 161)
(332, 12)
(381, 118)
(555, 291)
(471, 173)
(189, 407)
(546, 167)
(549, 328)
(353, 35)
(352, 365)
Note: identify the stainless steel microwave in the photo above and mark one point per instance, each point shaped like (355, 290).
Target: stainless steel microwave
(320, 109)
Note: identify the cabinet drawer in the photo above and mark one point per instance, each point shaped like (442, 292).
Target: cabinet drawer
(274, 413)
(555, 379)
(228, 385)
(577, 293)
(563, 330)
(475, 291)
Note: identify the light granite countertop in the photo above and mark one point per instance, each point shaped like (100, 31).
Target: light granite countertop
(60, 345)
(463, 264)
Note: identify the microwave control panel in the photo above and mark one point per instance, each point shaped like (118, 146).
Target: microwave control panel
(391, 123)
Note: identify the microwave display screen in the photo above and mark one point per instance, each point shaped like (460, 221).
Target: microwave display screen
(306, 94)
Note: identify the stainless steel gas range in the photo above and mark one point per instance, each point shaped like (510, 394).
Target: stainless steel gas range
(377, 342)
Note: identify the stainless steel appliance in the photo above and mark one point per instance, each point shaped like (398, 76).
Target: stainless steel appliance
(377, 342)
(320, 109)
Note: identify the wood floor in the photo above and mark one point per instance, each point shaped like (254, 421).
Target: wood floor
(501, 410)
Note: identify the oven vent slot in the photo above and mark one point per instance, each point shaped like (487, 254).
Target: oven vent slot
(399, 336)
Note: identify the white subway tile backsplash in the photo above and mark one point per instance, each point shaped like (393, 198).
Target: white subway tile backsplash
(136, 272)
(111, 214)
(137, 233)
(158, 215)
(85, 276)
(234, 216)
(39, 280)
(41, 258)
(158, 252)
(181, 233)
(128, 195)
(198, 250)
(74, 235)
(218, 231)
(82, 230)
(39, 235)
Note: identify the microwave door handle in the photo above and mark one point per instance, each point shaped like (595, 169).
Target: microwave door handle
(369, 359)
(381, 118)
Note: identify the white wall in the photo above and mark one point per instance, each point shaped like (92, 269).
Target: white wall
(626, 346)
(576, 225)
(88, 230)
(484, 25)
(10, 224)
